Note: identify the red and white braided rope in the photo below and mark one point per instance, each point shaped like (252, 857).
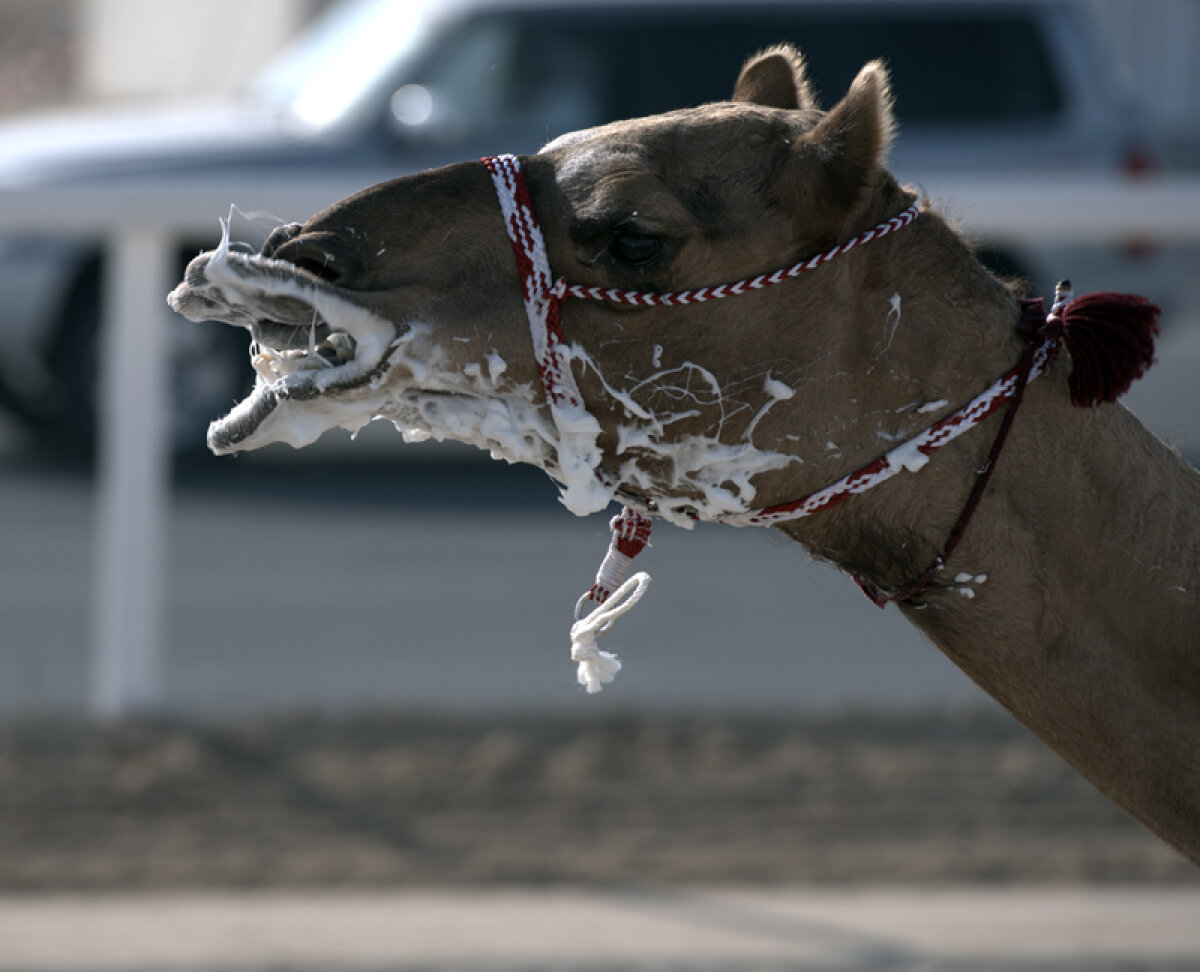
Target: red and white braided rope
(541, 301)
(910, 455)
(631, 530)
(681, 298)
(541, 305)
(629, 535)
(538, 283)
(542, 294)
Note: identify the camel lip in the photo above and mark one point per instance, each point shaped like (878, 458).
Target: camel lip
(226, 435)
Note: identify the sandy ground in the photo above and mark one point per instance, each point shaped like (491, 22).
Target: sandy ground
(387, 800)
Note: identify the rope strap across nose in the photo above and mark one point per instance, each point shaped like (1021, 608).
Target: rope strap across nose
(541, 301)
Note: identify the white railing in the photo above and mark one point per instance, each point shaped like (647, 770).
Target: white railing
(141, 224)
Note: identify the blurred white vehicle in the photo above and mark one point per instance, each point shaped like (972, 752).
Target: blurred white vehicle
(388, 85)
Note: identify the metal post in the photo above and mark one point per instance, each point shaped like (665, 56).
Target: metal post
(131, 477)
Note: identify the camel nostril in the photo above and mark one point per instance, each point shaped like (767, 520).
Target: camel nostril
(318, 268)
(323, 258)
(279, 236)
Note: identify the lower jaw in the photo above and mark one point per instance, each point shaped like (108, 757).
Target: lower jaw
(296, 406)
(237, 430)
(270, 418)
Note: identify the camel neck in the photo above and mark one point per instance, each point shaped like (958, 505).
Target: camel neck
(1093, 518)
(1074, 596)
(1074, 600)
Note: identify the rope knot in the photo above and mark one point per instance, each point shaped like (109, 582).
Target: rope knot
(597, 668)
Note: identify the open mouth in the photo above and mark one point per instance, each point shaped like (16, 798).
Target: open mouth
(311, 349)
(322, 360)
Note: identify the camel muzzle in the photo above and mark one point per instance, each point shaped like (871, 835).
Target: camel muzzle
(306, 339)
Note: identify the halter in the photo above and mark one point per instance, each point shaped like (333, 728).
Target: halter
(543, 295)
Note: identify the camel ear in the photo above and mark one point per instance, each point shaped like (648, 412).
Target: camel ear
(853, 138)
(775, 78)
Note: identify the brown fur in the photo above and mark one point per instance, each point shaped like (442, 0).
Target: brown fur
(1088, 626)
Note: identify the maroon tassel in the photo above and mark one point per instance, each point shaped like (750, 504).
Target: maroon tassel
(1110, 338)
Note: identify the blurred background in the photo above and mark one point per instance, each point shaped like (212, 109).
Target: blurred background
(349, 665)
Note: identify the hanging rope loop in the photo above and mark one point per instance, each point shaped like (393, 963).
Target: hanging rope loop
(597, 668)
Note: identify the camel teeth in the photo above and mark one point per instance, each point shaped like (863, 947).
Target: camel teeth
(343, 345)
(337, 349)
(272, 364)
(264, 365)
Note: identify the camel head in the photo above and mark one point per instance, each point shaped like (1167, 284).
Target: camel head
(404, 302)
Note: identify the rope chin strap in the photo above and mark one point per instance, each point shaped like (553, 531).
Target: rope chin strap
(1110, 338)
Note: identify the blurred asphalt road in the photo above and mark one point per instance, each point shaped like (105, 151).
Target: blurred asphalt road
(451, 586)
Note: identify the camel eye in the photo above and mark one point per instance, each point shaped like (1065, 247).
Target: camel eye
(634, 249)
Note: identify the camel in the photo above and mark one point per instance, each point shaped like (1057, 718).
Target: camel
(1071, 593)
